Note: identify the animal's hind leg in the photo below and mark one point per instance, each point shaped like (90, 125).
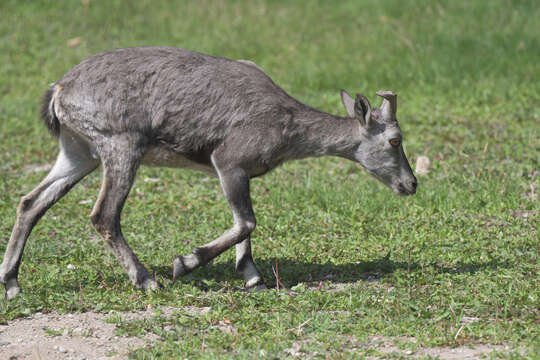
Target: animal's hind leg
(246, 266)
(73, 163)
(119, 167)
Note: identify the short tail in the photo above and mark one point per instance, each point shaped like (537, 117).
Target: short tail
(48, 114)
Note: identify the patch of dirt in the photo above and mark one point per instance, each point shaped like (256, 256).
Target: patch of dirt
(387, 347)
(524, 214)
(89, 336)
(74, 336)
(468, 352)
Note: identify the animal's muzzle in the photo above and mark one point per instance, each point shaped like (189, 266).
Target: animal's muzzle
(408, 187)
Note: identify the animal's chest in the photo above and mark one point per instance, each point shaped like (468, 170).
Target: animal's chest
(163, 157)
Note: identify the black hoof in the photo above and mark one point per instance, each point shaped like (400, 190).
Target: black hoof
(179, 269)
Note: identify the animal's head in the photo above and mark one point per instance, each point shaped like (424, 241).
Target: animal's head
(381, 151)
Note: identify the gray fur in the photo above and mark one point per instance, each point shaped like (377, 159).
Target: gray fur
(165, 106)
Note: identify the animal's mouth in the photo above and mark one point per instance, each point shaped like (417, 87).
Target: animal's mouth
(400, 189)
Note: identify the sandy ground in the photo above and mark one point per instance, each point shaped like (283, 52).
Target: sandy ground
(90, 336)
(73, 336)
(477, 351)
(81, 336)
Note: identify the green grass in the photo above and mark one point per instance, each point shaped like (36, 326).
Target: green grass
(467, 74)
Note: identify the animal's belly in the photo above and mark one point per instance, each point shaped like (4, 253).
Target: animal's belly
(162, 157)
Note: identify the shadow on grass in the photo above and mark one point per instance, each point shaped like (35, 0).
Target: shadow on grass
(216, 276)
(293, 272)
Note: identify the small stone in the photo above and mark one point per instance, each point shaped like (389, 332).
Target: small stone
(71, 267)
(74, 42)
(423, 165)
(469, 319)
(3, 343)
(62, 350)
(152, 180)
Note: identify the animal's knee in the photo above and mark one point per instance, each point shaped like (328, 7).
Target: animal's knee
(247, 227)
(101, 223)
(96, 219)
(25, 203)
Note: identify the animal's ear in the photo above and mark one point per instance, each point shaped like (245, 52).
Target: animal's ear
(348, 102)
(389, 104)
(362, 110)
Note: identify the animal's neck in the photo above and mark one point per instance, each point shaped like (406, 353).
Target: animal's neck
(318, 134)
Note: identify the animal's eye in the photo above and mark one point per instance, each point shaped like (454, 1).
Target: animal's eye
(395, 142)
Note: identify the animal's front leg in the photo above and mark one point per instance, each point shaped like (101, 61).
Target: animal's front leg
(235, 185)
